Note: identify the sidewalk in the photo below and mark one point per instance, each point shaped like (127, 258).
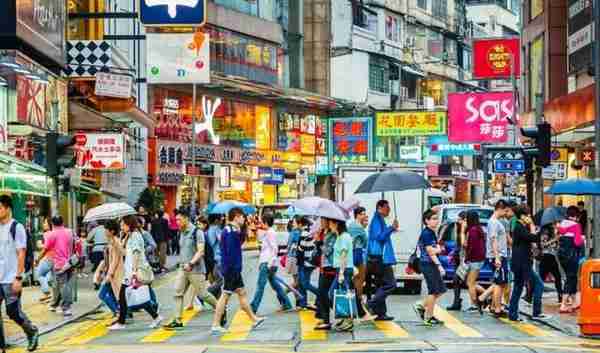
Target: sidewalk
(567, 323)
(87, 303)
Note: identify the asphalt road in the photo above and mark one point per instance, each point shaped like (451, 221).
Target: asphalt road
(292, 332)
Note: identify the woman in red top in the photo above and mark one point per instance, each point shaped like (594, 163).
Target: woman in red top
(474, 257)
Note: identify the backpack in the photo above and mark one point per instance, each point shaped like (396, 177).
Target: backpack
(29, 252)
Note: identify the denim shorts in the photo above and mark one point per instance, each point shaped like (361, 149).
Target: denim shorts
(476, 266)
(502, 274)
(433, 278)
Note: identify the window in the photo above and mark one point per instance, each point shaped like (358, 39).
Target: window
(435, 44)
(536, 8)
(379, 74)
(439, 8)
(467, 59)
(365, 18)
(392, 28)
(422, 4)
(536, 57)
(245, 6)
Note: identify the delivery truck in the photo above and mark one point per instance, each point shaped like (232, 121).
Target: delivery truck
(407, 206)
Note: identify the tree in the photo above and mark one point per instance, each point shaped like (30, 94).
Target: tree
(152, 199)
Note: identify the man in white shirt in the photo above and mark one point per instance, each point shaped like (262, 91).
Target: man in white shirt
(13, 246)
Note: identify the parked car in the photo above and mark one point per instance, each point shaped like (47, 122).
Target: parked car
(449, 236)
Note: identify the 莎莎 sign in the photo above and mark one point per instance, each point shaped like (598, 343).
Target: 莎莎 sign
(479, 117)
(496, 58)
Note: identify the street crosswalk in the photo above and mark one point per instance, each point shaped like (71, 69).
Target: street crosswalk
(298, 326)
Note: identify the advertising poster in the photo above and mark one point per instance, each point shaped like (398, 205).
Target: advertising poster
(178, 57)
(350, 140)
(479, 117)
(100, 151)
(411, 123)
(41, 23)
(493, 58)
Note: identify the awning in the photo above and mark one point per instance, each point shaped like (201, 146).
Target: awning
(133, 114)
(410, 70)
(85, 118)
(575, 135)
(21, 177)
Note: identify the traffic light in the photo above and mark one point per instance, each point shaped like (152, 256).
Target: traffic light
(58, 154)
(542, 135)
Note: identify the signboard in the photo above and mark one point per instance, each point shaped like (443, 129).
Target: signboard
(587, 156)
(411, 123)
(173, 12)
(559, 154)
(307, 144)
(3, 119)
(41, 24)
(263, 128)
(440, 146)
(178, 57)
(350, 140)
(100, 151)
(508, 160)
(493, 58)
(556, 171)
(113, 85)
(580, 34)
(225, 176)
(322, 165)
(479, 117)
(170, 158)
(411, 153)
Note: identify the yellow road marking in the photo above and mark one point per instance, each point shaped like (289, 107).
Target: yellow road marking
(391, 329)
(530, 329)
(95, 331)
(308, 321)
(455, 325)
(73, 330)
(162, 334)
(240, 328)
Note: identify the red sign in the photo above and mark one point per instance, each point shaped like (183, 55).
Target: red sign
(587, 156)
(479, 117)
(493, 58)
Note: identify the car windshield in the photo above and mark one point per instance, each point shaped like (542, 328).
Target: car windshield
(451, 214)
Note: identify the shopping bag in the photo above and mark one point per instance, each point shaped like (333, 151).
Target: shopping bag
(344, 303)
(137, 296)
(462, 270)
(107, 296)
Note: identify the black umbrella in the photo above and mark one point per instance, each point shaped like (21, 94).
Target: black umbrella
(393, 180)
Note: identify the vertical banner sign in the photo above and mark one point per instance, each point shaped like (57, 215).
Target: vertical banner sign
(350, 140)
(263, 128)
(479, 117)
(493, 58)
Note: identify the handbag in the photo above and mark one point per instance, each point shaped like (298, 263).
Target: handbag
(414, 261)
(144, 274)
(462, 270)
(344, 303)
(137, 296)
(75, 261)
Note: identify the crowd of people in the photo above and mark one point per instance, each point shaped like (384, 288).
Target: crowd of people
(357, 256)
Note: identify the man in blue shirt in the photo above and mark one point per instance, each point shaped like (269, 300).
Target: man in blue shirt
(381, 259)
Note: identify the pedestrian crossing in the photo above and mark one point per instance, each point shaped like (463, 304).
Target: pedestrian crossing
(297, 326)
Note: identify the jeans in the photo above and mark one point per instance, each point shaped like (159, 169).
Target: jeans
(44, 275)
(523, 273)
(107, 296)
(268, 274)
(304, 274)
(63, 290)
(385, 284)
(14, 311)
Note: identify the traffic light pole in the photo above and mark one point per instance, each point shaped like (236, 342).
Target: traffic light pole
(193, 196)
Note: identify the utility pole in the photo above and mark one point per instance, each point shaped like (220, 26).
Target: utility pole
(596, 199)
(193, 196)
(539, 179)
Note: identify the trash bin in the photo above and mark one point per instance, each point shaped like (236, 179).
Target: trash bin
(589, 314)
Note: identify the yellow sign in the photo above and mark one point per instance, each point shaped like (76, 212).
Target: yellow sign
(560, 154)
(411, 123)
(263, 131)
(234, 195)
(308, 144)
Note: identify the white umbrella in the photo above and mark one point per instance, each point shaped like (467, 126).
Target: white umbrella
(318, 206)
(108, 211)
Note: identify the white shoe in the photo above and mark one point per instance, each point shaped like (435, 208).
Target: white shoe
(51, 308)
(67, 313)
(217, 330)
(116, 327)
(156, 322)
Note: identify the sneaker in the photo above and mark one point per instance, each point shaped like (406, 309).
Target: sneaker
(473, 309)
(258, 323)
(33, 341)
(174, 324)
(542, 317)
(286, 310)
(436, 321)
(67, 313)
(156, 322)
(117, 327)
(419, 310)
(218, 330)
(428, 323)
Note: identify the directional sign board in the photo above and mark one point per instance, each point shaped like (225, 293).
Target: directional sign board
(556, 171)
(507, 160)
(509, 166)
(173, 12)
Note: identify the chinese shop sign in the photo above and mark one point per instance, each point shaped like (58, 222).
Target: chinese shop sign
(494, 58)
(171, 159)
(307, 144)
(100, 151)
(350, 140)
(411, 123)
(479, 117)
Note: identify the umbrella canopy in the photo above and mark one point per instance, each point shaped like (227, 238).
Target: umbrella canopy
(552, 215)
(575, 186)
(318, 206)
(392, 180)
(224, 207)
(108, 211)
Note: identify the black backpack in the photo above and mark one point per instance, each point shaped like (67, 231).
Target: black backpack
(209, 255)
(29, 252)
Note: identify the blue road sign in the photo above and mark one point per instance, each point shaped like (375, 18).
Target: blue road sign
(509, 166)
(173, 12)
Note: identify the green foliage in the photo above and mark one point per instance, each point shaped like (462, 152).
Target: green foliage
(152, 199)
